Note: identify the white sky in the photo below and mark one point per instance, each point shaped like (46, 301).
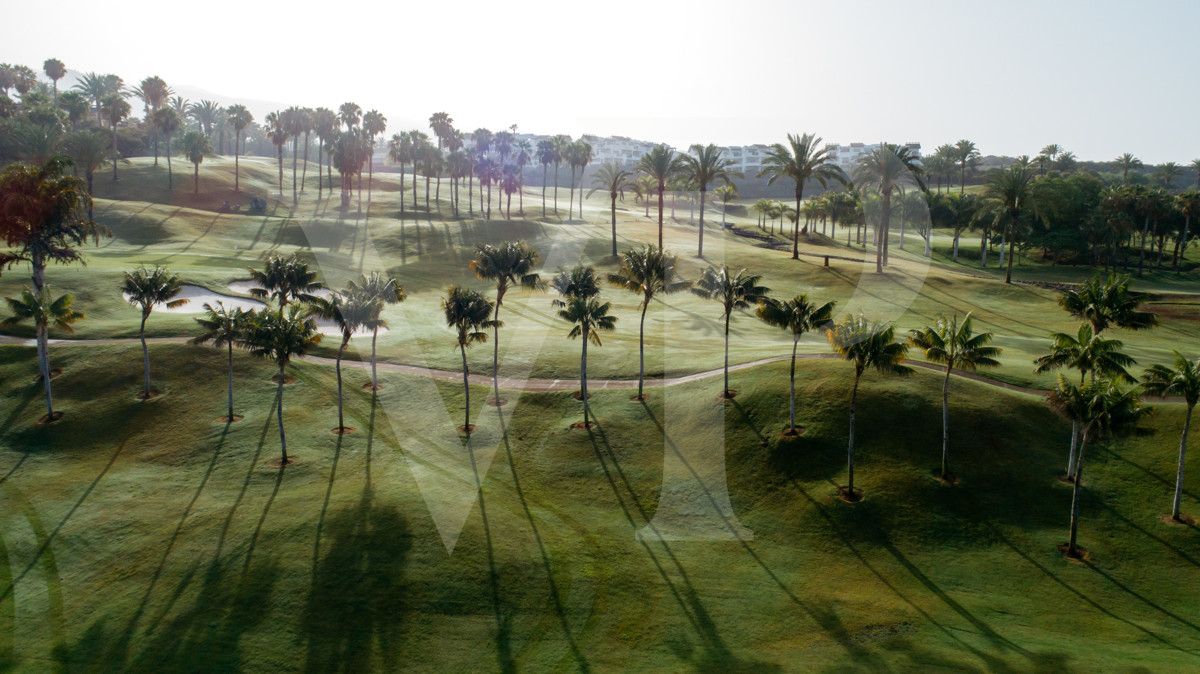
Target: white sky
(1098, 77)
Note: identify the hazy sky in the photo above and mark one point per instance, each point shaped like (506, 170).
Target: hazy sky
(1099, 78)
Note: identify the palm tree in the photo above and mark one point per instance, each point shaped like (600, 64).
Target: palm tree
(278, 136)
(223, 327)
(738, 290)
(96, 87)
(76, 106)
(442, 125)
(1124, 164)
(385, 290)
(400, 151)
(801, 160)
(509, 264)
(90, 148)
(349, 310)
(588, 318)
(195, 147)
(46, 312)
(798, 316)
(116, 110)
(1168, 172)
(55, 70)
(1106, 302)
(583, 156)
(239, 118)
(467, 314)
(560, 144)
(1013, 193)
(955, 345)
(1183, 380)
(206, 114)
(1093, 406)
(968, 156)
(647, 271)
(167, 121)
(374, 124)
(614, 180)
(887, 170)
(145, 288)
(660, 164)
(294, 122)
(524, 155)
(705, 165)
(325, 124)
(868, 345)
(284, 279)
(280, 335)
(545, 157)
(154, 92)
(723, 194)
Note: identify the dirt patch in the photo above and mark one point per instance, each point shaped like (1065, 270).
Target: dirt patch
(1063, 478)
(728, 394)
(578, 395)
(496, 402)
(49, 418)
(948, 478)
(793, 432)
(229, 420)
(371, 387)
(280, 463)
(1081, 555)
(849, 495)
(55, 373)
(580, 425)
(1185, 520)
(287, 379)
(142, 395)
(343, 430)
(467, 429)
(640, 399)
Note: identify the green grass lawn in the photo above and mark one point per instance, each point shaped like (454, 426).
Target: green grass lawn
(144, 536)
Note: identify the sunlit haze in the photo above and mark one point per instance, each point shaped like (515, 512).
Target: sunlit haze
(1096, 78)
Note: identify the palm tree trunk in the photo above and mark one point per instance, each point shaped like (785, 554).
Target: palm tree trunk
(236, 167)
(1074, 446)
(642, 350)
(43, 351)
(508, 205)
(295, 153)
(792, 385)
(145, 352)
(545, 169)
(727, 354)
(195, 184)
(583, 377)
(374, 374)
(304, 172)
(613, 209)
(171, 177)
(1012, 231)
(555, 188)
(885, 208)
(466, 392)
(661, 187)
(1142, 247)
(850, 451)
(571, 203)
(338, 369)
(279, 410)
(1187, 421)
(231, 381)
(117, 155)
(280, 162)
(1180, 250)
(796, 227)
(1071, 547)
(700, 248)
(946, 422)
(955, 244)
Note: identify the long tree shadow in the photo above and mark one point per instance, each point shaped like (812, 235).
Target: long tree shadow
(555, 596)
(245, 484)
(503, 625)
(715, 655)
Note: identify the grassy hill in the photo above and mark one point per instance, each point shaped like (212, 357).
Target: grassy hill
(145, 536)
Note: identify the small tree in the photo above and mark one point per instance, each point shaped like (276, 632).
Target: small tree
(388, 291)
(146, 288)
(615, 180)
(280, 335)
(349, 309)
(867, 345)
(223, 327)
(509, 264)
(467, 313)
(195, 147)
(1183, 380)
(733, 291)
(647, 271)
(955, 345)
(46, 312)
(798, 316)
(588, 318)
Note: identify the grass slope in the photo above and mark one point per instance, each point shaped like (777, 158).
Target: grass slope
(143, 536)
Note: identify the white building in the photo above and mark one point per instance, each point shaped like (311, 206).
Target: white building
(619, 149)
(847, 156)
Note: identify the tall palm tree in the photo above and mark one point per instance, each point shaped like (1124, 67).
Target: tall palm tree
(374, 124)
(325, 125)
(1106, 302)
(705, 165)
(146, 288)
(284, 279)
(1013, 193)
(583, 156)
(55, 70)
(801, 160)
(90, 149)
(466, 313)
(887, 170)
(46, 312)
(1168, 172)
(239, 119)
(281, 335)
(588, 318)
(349, 310)
(509, 264)
(613, 179)
(661, 165)
(723, 194)
(223, 327)
(648, 271)
(561, 144)
(955, 345)
(798, 316)
(385, 290)
(278, 136)
(400, 151)
(442, 125)
(167, 121)
(116, 110)
(1181, 379)
(545, 157)
(295, 123)
(154, 92)
(349, 114)
(867, 345)
(523, 156)
(968, 156)
(1125, 163)
(1093, 406)
(195, 146)
(733, 290)
(96, 87)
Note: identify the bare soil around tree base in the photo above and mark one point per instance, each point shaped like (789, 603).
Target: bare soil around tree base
(371, 387)
(1185, 520)
(467, 430)
(728, 394)
(343, 430)
(280, 463)
(1081, 556)
(49, 418)
(578, 395)
(497, 402)
(142, 395)
(849, 495)
(229, 420)
(640, 399)
(287, 379)
(948, 478)
(792, 432)
(55, 373)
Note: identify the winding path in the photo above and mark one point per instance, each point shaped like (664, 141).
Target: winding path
(531, 385)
